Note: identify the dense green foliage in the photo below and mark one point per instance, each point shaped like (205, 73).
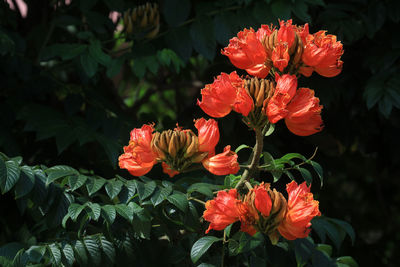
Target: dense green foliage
(71, 90)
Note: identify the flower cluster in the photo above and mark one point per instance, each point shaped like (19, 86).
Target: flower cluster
(289, 49)
(265, 210)
(177, 149)
(284, 53)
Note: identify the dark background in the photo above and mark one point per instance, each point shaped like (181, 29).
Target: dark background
(61, 103)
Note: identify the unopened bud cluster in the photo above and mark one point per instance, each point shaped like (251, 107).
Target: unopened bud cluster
(143, 21)
(177, 150)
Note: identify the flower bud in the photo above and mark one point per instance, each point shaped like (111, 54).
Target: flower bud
(142, 21)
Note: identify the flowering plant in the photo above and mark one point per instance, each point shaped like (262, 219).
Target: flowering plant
(274, 59)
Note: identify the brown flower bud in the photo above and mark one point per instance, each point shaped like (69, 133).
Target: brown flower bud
(143, 21)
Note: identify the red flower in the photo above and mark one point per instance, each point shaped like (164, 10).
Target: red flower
(222, 210)
(284, 92)
(247, 52)
(286, 33)
(223, 163)
(304, 116)
(280, 56)
(323, 52)
(262, 200)
(168, 170)
(227, 92)
(300, 211)
(208, 133)
(139, 158)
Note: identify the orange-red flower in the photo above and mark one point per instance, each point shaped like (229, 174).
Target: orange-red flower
(247, 52)
(223, 163)
(300, 210)
(262, 200)
(286, 33)
(284, 92)
(222, 210)
(208, 133)
(138, 157)
(323, 52)
(168, 170)
(280, 56)
(300, 108)
(227, 92)
(304, 116)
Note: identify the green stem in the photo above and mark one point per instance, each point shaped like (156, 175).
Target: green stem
(197, 200)
(255, 158)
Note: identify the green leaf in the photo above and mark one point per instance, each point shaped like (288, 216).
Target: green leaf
(179, 41)
(201, 246)
(94, 184)
(55, 253)
(21, 259)
(125, 211)
(25, 183)
(223, 24)
(141, 222)
(349, 261)
(271, 129)
(318, 169)
(202, 34)
(347, 228)
(145, 190)
(74, 210)
(97, 53)
(68, 253)
(93, 250)
(115, 66)
(325, 248)
(281, 9)
(241, 147)
(113, 187)
(64, 51)
(95, 210)
(179, 200)
(300, 9)
(320, 258)
(106, 247)
(89, 64)
(59, 171)
(322, 226)
(160, 195)
(203, 188)
(9, 175)
(303, 250)
(176, 11)
(306, 174)
(80, 252)
(108, 213)
(76, 181)
(290, 156)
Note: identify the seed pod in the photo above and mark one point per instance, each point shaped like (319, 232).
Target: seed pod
(199, 157)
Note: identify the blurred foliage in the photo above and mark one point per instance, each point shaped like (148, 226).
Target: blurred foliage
(74, 83)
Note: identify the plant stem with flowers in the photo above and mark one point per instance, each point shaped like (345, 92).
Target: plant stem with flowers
(273, 58)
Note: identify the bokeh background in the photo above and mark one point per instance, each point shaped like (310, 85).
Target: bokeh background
(75, 79)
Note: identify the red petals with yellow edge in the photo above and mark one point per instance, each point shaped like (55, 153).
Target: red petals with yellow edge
(304, 116)
(138, 157)
(222, 164)
(227, 92)
(323, 52)
(208, 134)
(222, 210)
(285, 90)
(300, 210)
(247, 52)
